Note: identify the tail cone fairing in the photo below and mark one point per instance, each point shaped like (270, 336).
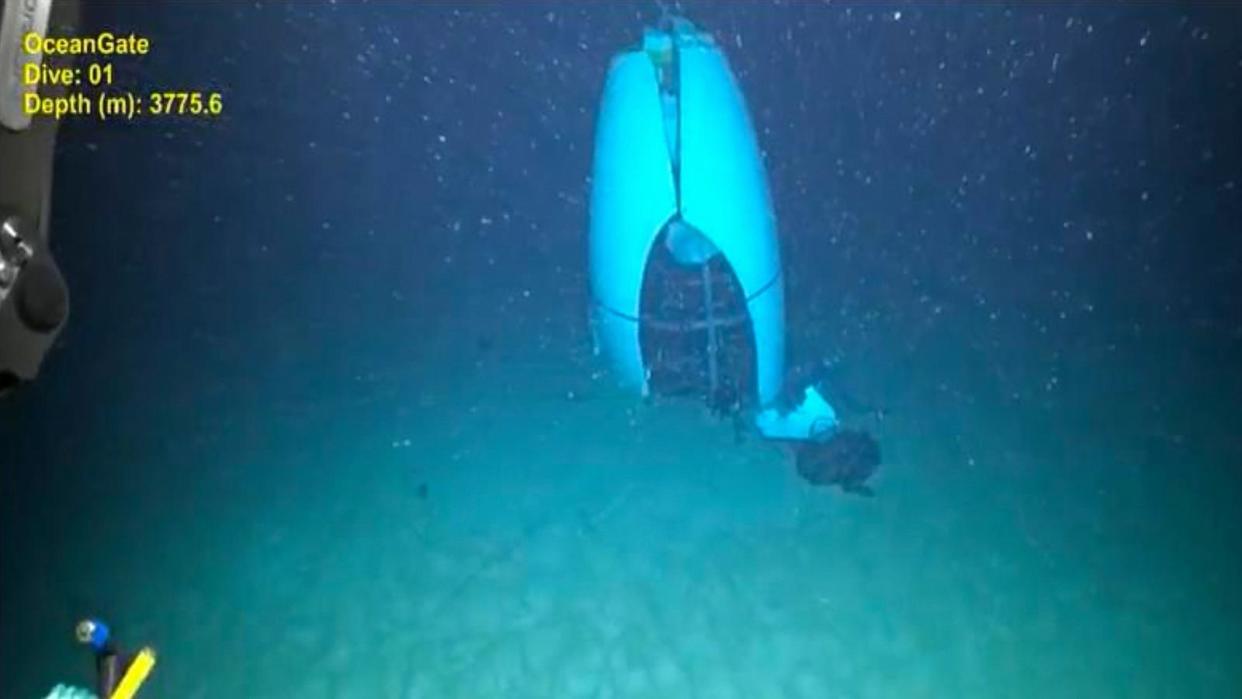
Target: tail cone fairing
(676, 163)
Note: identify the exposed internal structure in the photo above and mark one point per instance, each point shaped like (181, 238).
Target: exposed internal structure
(694, 330)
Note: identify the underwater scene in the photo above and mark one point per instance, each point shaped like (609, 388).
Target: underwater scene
(602, 350)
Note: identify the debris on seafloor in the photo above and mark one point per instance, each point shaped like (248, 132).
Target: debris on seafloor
(846, 459)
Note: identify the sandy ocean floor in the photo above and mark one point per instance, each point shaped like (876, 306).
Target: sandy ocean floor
(499, 524)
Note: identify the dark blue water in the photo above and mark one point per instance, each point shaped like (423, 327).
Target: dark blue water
(325, 420)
